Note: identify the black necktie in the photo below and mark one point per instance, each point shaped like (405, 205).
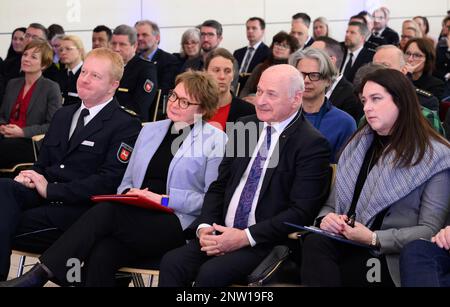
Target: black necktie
(376, 33)
(349, 65)
(247, 59)
(80, 123)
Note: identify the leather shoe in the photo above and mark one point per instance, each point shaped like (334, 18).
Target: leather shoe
(36, 277)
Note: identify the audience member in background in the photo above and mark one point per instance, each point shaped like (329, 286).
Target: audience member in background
(11, 67)
(111, 235)
(395, 148)
(283, 45)
(424, 26)
(319, 73)
(54, 29)
(190, 46)
(71, 54)
(56, 44)
(443, 58)
(300, 30)
(340, 92)
(410, 30)
(28, 106)
(166, 64)
(381, 29)
(320, 28)
(17, 43)
(357, 55)
(421, 54)
(255, 52)
(84, 153)
(101, 37)
(138, 86)
(220, 65)
(372, 42)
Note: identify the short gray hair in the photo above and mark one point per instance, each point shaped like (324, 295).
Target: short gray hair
(191, 34)
(397, 50)
(153, 25)
(326, 68)
(128, 31)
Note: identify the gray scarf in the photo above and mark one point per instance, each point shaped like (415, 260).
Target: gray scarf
(385, 184)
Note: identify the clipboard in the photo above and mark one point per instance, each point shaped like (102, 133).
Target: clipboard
(134, 200)
(330, 235)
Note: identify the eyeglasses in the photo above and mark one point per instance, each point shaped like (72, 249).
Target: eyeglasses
(32, 36)
(281, 45)
(67, 49)
(415, 56)
(182, 103)
(209, 34)
(313, 76)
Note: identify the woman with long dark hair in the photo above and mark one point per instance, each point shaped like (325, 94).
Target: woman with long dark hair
(392, 179)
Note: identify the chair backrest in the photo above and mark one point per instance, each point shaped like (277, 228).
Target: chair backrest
(158, 99)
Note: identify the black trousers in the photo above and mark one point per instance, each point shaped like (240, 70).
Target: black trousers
(181, 266)
(29, 222)
(14, 151)
(330, 263)
(109, 236)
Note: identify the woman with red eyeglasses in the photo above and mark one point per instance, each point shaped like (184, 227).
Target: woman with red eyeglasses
(28, 105)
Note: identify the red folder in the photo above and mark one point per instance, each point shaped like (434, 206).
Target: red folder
(133, 200)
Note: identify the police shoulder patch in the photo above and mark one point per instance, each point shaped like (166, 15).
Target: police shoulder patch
(148, 86)
(124, 153)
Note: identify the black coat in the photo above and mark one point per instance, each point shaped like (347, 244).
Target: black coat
(292, 191)
(343, 98)
(261, 54)
(138, 87)
(364, 57)
(68, 85)
(91, 164)
(167, 66)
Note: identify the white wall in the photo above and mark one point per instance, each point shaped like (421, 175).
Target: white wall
(174, 16)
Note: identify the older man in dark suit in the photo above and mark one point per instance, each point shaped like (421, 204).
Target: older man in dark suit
(283, 176)
(85, 152)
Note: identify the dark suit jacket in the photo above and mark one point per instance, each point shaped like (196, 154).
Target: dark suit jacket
(91, 164)
(167, 69)
(364, 57)
(45, 101)
(138, 87)
(260, 56)
(292, 191)
(68, 85)
(390, 36)
(309, 43)
(343, 98)
(431, 84)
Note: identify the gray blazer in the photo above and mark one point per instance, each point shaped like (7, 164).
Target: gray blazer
(193, 168)
(416, 199)
(46, 99)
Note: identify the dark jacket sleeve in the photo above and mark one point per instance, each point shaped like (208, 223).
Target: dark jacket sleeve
(106, 177)
(308, 193)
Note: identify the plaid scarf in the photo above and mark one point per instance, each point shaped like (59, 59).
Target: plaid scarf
(385, 184)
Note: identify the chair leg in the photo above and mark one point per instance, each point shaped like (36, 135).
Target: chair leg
(137, 280)
(21, 265)
(150, 280)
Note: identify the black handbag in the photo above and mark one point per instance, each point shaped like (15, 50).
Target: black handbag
(265, 271)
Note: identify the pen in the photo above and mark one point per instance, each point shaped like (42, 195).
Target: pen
(351, 220)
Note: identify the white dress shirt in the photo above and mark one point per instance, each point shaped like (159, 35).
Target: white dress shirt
(277, 130)
(92, 112)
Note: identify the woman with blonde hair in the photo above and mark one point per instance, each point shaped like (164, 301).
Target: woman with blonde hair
(71, 53)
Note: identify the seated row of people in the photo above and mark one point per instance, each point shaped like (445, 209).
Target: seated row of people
(283, 176)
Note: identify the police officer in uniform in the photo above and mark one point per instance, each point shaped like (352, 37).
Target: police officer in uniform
(138, 86)
(85, 153)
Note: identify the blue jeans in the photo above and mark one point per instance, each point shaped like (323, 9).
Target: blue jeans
(424, 264)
